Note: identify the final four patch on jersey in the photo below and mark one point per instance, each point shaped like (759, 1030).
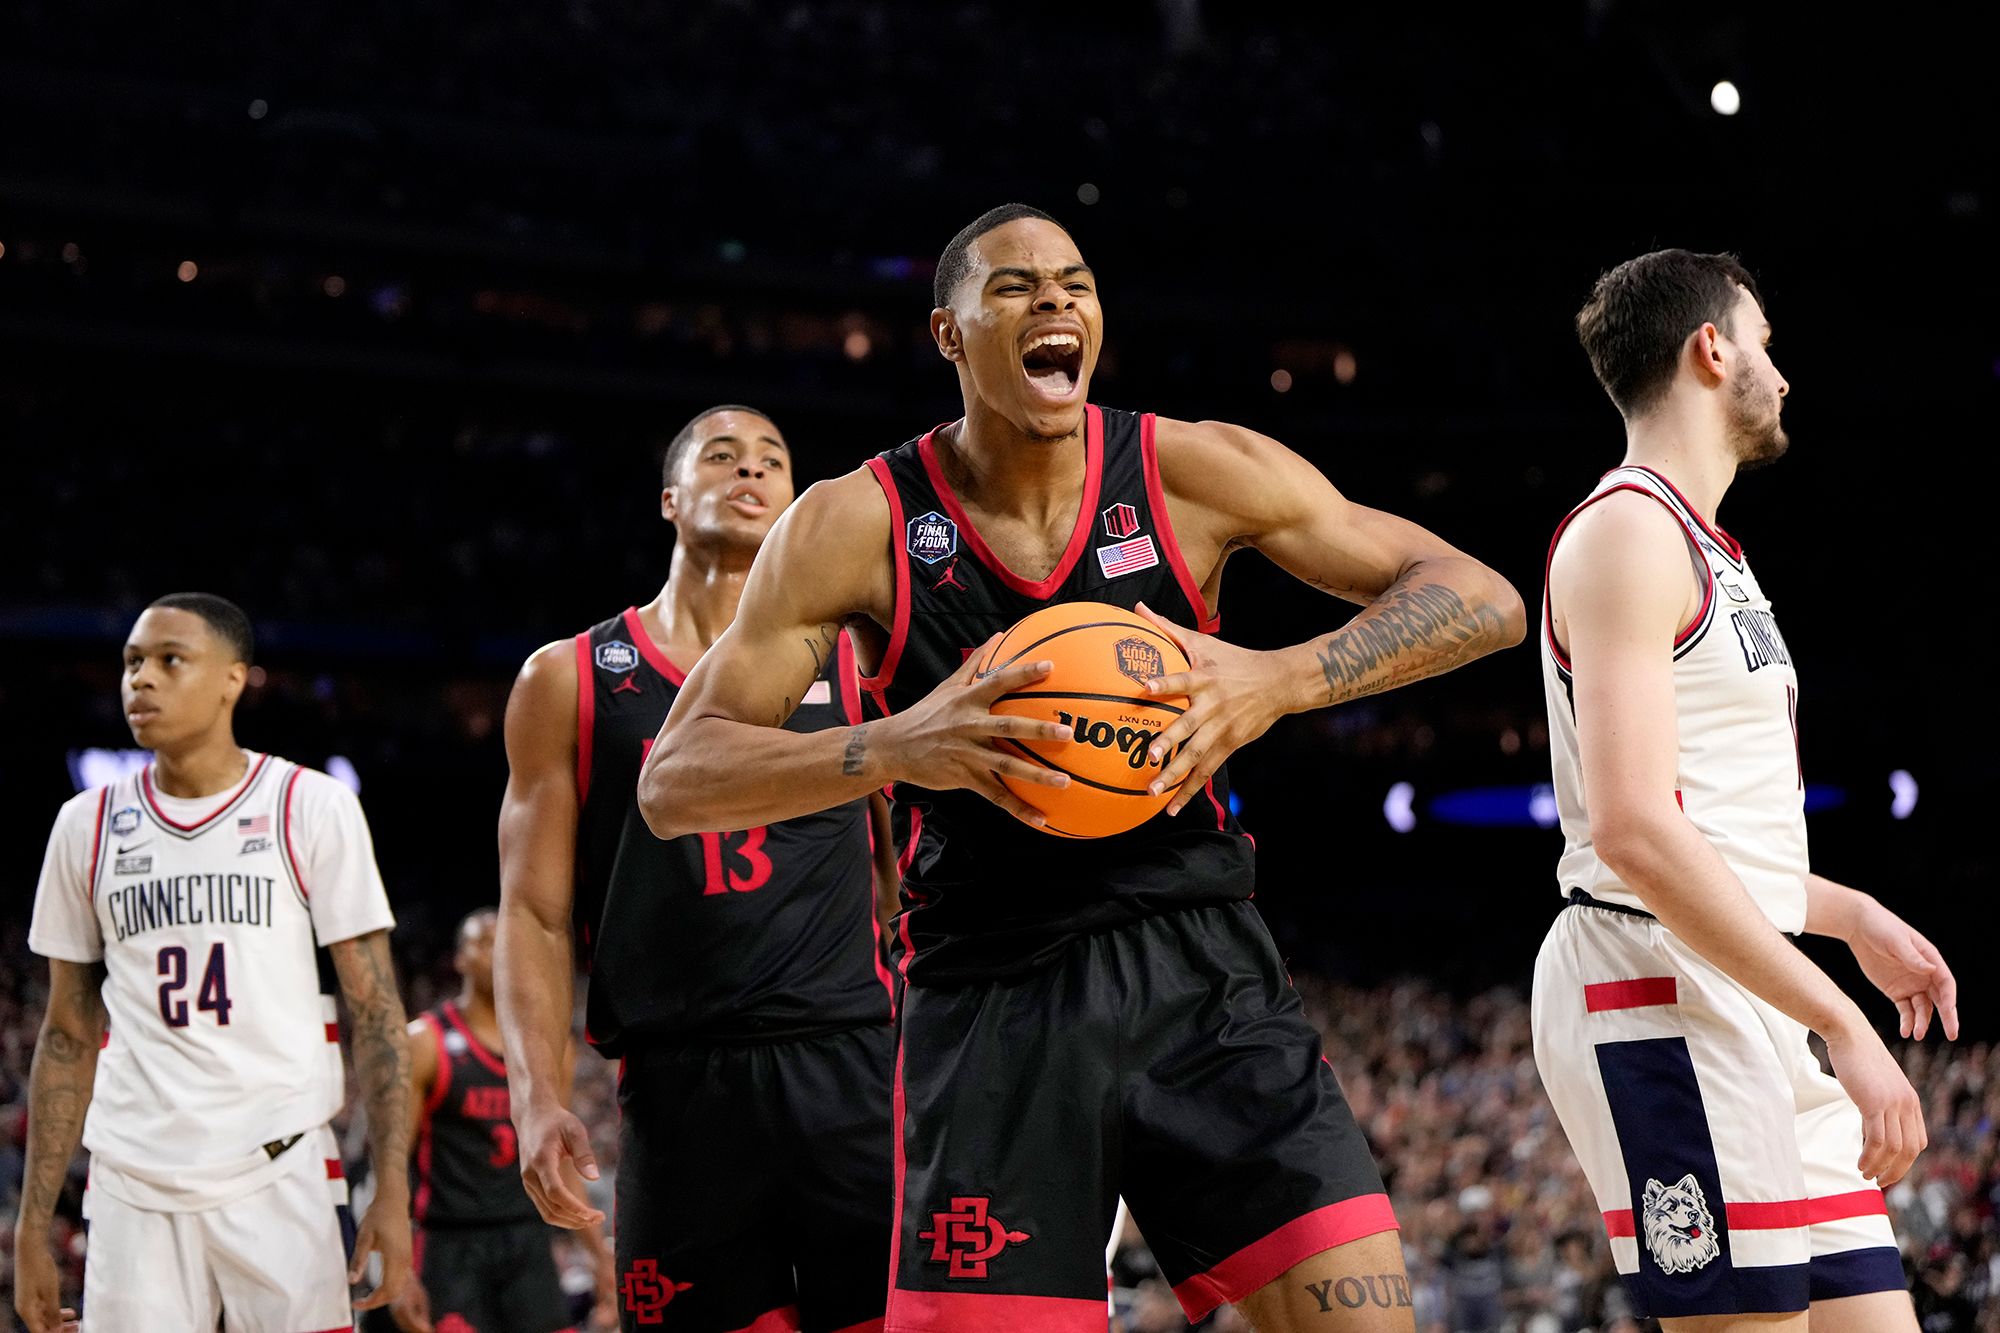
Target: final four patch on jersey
(932, 537)
(125, 821)
(617, 656)
(1120, 522)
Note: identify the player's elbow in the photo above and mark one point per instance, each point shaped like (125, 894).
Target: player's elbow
(1631, 840)
(666, 796)
(1510, 613)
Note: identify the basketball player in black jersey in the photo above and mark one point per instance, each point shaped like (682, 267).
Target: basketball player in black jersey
(483, 1263)
(1082, 1019)
(736, 975)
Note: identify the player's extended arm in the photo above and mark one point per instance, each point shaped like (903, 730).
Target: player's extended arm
(59, 1085)
(603, 1265)
(379, 1043)
(1427, 606)
(723, 760)
(1621, 588)
(534, 957)
(888, 880)
(1896, 957)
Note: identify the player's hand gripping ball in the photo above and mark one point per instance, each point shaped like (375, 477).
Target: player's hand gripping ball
(1103, 657)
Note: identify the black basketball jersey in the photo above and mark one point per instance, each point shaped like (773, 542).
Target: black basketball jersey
(758, 934)
(467, 1168)
(985, 895)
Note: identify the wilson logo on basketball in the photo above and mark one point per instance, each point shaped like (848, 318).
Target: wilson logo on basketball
(1128, 741)
(1139, 659)
(967, 1236)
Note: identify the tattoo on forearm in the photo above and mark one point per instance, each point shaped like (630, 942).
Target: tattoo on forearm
(856, 753)
(380, 1053)
(59, 1084)
(1385, 1291)
(1409, 633)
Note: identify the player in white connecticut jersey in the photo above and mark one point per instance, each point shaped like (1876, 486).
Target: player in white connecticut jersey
(186, 1039)
(1741, 1186)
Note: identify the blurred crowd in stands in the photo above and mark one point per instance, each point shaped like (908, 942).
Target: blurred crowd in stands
(1500, 1232)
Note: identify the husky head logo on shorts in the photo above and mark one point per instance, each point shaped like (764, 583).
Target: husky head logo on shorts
(1679, 1230)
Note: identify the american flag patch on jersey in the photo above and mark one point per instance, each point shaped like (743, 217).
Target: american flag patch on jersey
(1128, 557)
(252, 824)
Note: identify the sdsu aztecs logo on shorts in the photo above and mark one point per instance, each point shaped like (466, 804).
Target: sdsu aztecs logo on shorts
(617, 657)
(967, 1237)
(932, 537)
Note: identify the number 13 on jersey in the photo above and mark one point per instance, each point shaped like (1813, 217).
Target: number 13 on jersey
(724, 857)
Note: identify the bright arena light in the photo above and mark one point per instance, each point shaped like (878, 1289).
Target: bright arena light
(188, 271)
(1398, 809)
(1903, 794)
(1725, 98)
(1281, 380)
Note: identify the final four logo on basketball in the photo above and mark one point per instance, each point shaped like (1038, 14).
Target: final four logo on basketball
(1140, 660)
(932, 537)
(617, 657)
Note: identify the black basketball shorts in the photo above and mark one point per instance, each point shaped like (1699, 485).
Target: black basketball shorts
(493, 1279)
(1167, 1060)
(753, 1186)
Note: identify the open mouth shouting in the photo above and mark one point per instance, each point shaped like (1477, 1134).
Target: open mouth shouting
(1053, 362)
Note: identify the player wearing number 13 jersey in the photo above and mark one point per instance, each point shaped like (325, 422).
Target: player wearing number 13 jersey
(181, 906)
(736, 975)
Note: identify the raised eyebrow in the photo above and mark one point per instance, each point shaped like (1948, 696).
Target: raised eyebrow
(1009, 271)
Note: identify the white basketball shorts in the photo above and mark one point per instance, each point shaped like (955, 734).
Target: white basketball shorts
(1722, 1156)
(272, 1261)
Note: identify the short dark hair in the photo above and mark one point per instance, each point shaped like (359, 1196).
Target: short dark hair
(477, 914)
(677, 448)
(223, 616)
(956, 261)
(1640, 313)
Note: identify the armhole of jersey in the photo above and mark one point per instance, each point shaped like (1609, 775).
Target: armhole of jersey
(97, 846)
(1156, 498)
(899, 563)
(850, 678)
(291, 849)
(1682, 640)
(586, 717)
(441, 1085)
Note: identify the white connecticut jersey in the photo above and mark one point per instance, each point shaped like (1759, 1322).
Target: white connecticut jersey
(207, 914)
(1736, 701)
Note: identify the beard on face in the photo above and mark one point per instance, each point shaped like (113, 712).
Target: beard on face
(1754, 428)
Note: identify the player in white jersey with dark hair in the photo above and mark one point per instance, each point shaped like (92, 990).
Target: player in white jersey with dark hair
(1741, 1186)
(181, 907)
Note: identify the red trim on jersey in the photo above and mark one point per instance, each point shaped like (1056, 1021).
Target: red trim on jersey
(979, 1312)
(334, 1170)
(291, 852)
(850, 678)
(1258, 1263)
(1721, 538)
(651, 651)
(333, 1032)
(1618, 1224)
(479, 1052)
(443, 1083)
(865, 1326)
(1639, 993)
(97, 845)
(1156, 498)
(899, 565)
(896, 1111)
(586, 717)
(422, 1205)
(1548, 603)
(146, 794)
(344, 1328)
(1079, 537)
(881, 968)
(908, 856)
(782, 1320)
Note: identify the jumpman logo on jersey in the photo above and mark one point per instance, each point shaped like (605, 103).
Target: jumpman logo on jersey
(950, 579)
(628, 685)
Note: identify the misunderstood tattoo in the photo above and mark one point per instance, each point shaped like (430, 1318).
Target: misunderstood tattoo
(1409, 633)
(821, 647)
(58, 1096)
(381, 1055)
(856, 753)
(1385, 1291)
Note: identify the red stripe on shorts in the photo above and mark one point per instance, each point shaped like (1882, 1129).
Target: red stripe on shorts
(1777, 1215)
(1293, 1243)
(1618, 1223)
(1639, 993)
(977, 1312)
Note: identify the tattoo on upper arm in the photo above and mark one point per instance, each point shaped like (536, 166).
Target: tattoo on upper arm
(856, 754)
(821, 646)
(60, 1081)
(1385, 1291)
(1409, 633)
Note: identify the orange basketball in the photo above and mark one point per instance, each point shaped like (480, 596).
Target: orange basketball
(1103, 656)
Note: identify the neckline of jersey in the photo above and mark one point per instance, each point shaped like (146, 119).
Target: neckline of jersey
(456, 1017)
(1714, 530)
(1093, 472)
(655, 655)
(254, 761)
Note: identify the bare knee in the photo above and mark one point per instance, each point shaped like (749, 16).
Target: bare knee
(1359, 1287)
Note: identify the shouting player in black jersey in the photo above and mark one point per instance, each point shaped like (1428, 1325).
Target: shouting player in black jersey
(736, 975)
(483, 1259)
(1082, 1019)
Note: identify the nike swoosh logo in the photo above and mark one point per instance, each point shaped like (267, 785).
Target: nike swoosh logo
(134, 847)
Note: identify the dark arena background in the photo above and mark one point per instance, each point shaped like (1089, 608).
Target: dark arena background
(374, 318)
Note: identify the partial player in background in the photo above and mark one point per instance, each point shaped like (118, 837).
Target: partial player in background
(1670, 1010)
(1083, 1017)
(736, 976)
(181, 907)
(484, 1263)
